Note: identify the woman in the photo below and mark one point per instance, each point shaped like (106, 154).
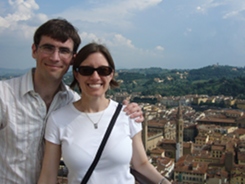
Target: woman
(77, 129)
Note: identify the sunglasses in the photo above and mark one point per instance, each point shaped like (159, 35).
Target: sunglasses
(88, 70)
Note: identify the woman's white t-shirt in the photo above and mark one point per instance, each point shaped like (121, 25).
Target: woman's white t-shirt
(80, 141)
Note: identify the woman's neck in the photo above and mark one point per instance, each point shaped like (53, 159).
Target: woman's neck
(92, 105)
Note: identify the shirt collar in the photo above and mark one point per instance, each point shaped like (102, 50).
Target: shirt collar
(27, 84)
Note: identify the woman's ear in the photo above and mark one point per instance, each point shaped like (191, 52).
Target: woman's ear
(112, 74)
(75, 73)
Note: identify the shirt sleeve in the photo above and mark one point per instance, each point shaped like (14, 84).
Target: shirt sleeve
(2, 119)
(134, 127)
(52, 132)
(3, 112)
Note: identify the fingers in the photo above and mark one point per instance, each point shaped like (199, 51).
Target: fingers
(125, 102)
(140, 119)
(131, 107)
(134, 111)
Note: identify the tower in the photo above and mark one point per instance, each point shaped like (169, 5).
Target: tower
(179, 134)
(145, 131)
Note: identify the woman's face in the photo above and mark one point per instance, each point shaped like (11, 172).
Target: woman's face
(94, 85)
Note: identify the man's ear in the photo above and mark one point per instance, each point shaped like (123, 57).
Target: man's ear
(72, 60)
(34, 50)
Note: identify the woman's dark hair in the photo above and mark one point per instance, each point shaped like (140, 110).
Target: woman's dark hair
(84, 53)
(58, 29)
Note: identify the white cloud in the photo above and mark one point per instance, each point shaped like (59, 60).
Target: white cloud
(237, 14)
(89, 37)
(117, 13)
(198, 8)
(21, 11)
(230, 14)
(209, 4)
(119, 45)
(160, 48)
(21, 19)
(140, 4)
(119, 39)
(188, 31)
(111, 40)
(4, 23)
(233, 8)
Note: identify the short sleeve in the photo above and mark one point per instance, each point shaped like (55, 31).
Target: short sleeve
(3, 108)
(3, 120)
(134, 127)
(52, 132)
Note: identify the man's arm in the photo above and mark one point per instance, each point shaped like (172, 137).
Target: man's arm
(3, 114)
(134, 111)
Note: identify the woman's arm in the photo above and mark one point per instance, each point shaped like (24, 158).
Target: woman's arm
(142, 165)
(50, 164)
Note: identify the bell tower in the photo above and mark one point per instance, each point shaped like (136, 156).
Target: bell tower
(179, 134)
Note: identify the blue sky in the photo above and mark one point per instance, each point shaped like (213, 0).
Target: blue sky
(171, 34)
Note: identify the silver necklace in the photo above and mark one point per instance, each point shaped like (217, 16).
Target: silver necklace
(95, 123)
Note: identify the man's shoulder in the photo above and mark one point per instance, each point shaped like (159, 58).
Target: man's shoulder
(10, 83)
(17, 80)
(72, 94)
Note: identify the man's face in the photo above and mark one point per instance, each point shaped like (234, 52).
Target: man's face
(53, 57)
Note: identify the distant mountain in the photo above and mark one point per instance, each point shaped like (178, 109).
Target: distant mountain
(213, 70)
(216, 72)
(15, 72)
(210, 80)
(205, 73)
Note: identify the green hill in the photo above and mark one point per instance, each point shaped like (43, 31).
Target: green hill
(210, 80)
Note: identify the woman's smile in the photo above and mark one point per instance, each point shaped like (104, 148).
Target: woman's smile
(95, 86)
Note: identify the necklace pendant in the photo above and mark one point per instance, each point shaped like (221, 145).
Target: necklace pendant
(96, 125)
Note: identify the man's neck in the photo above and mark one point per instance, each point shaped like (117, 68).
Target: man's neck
(46, 88)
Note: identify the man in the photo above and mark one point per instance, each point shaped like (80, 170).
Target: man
(27, 101)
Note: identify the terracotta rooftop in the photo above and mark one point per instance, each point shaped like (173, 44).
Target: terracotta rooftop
(187, 165)
(218, 120)
(217, 148)
(240, 131)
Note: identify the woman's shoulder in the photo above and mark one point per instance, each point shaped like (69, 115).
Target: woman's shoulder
(113, 105)
(62, 116)
(63, 113)
(63, 109)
